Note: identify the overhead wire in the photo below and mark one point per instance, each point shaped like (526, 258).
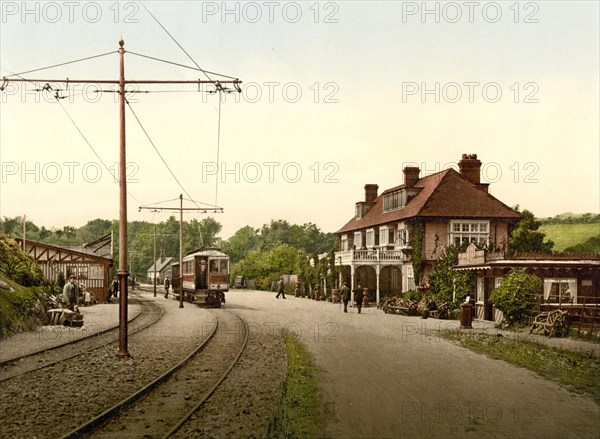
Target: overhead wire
(43, 88)
(198, 69)
(93, 150)
(155, 148)
(218, 86)
(63, 64)
(176, 42)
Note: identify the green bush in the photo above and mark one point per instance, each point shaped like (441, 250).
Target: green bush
(17, 265)
(412, 295)
(512, 297)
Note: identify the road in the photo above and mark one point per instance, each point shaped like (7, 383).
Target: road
(388, 376)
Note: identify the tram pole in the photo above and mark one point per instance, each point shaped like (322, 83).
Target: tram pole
(180, 250)
(154, 260)
(122, 273)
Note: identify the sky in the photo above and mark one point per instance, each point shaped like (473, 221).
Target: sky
(335, 95)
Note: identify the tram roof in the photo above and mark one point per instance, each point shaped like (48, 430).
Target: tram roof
(210, 252)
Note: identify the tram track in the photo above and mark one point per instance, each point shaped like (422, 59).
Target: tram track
(149, 315)
(162, 407)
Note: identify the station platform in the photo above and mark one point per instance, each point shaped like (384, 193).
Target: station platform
(96, 319)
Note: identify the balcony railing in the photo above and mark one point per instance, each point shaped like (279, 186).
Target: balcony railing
(370, 255)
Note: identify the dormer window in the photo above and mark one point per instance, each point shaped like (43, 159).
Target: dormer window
(394, 200)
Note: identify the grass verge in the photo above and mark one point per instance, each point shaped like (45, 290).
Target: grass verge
(301, 413)
(576, 370)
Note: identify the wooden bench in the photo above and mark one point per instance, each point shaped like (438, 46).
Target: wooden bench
(551, 323)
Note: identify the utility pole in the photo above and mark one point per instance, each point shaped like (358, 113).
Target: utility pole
(122, 272)
(180, 250)
(154, 260)
(24, 232)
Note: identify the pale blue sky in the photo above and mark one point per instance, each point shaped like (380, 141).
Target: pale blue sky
(538, 155)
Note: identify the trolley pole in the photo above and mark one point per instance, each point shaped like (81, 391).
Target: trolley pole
(180, 250)
(154, 260)
(122, 273)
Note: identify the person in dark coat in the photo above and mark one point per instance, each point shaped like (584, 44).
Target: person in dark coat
(345, 296)
(115, 287)
(358, 297)
(280, 289)
(167, 285)
(70, 293)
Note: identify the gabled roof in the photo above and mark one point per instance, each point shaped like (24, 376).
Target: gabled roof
(160, 264)
(443, 194)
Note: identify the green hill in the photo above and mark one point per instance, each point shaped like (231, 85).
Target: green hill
(568, 235)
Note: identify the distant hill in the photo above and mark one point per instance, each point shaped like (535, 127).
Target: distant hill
(567, 235)
(572, 218)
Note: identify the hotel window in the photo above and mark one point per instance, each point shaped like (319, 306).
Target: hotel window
(480, 289)
(403, 237)
(357, 240)
(370, 238)
(560, 290)
(410, 278)
(384, 236)
(466, 232)
(394, 200)
(344, 243)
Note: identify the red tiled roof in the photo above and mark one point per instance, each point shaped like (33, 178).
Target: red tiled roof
(443, 194)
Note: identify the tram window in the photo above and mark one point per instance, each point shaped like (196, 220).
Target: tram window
(214, 266)
(223, 265)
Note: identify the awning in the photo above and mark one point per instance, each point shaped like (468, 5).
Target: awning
(479, 267)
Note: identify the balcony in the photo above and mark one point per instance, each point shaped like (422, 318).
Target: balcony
(375, 255)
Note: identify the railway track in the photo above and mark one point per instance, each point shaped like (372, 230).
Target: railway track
(162, 407)
(15, 367)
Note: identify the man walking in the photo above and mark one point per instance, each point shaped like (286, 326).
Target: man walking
(345, 296)
(358, 297)
(280, 289)
(167, 286)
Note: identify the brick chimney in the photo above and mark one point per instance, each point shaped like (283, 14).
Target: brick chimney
(370, 192)
(411, 176)
(470, 168)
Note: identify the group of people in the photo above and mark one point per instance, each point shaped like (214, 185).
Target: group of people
(74, 294)
(358, 296)
(345, 293)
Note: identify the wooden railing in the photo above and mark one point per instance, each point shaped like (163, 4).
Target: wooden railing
(370, 255)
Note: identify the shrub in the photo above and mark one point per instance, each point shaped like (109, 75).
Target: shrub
(412, 295)
(512, 296)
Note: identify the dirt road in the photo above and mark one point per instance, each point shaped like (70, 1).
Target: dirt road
(387, 376)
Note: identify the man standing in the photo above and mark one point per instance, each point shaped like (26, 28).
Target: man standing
(358, 297)
(70, 293)
(280, 289)
(167, 285)
(345, 296)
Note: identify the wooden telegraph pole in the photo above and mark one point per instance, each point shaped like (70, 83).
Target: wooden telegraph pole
(122, 272)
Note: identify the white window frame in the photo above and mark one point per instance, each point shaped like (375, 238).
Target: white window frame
(480, 292)
(403, 237)
(568, 284)
(370, 238)
(468, 231)
(410, 278)
(384, 235)
(394, 200)
(344, 244)
(358, 240)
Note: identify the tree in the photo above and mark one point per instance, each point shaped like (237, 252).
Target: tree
(242, 242)
(526, 238)
(513, 296)
(208, 229)
(446, 284)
